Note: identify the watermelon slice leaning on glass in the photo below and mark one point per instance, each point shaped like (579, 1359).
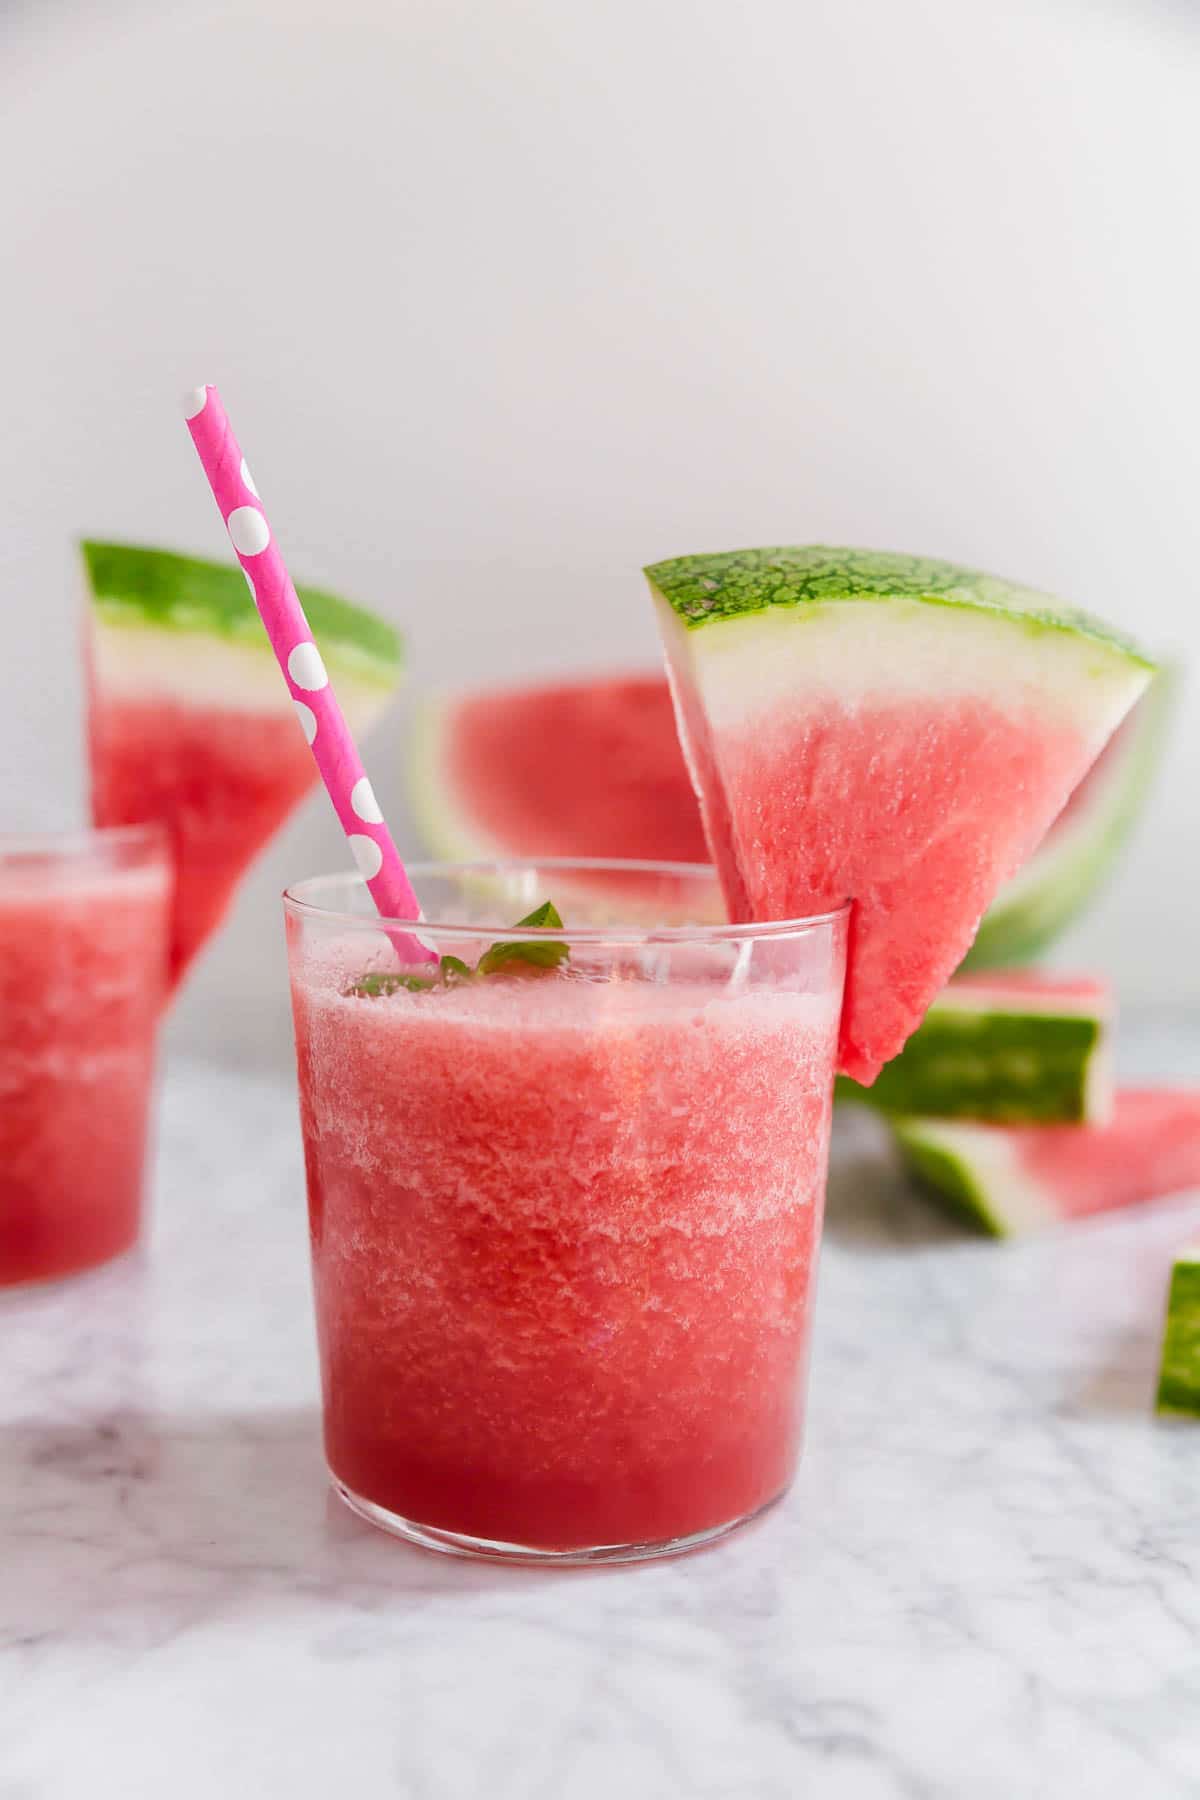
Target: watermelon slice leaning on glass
(889, 729)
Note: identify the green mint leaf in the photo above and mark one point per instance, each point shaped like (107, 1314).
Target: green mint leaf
(374, 987)
(545, 917)
(537, 955)
(543, 954)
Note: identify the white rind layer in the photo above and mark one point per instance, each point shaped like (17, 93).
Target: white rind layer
(985, 1157)
(1100, 1084)
(863, 650)
(195, 669)
(450, 832)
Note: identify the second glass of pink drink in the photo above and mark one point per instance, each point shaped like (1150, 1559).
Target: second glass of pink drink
(83, 966)
(565, 1219)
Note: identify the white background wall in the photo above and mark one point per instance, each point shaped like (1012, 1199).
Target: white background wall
(511, 296)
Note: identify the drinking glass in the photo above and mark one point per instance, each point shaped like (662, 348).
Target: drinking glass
(83, 963)
(564, 1215)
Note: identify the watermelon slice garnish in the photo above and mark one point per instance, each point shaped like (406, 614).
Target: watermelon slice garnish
(191, 723)
(1009, 1048)
(887, 729)
(1008, 1182)
(1179, 1371)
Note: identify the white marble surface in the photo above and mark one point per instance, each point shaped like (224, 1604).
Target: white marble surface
(986, 1582)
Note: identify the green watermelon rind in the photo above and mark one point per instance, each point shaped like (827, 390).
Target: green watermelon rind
(1179, 1373)
(1065, 874)
(948, 1178)
(136, 588)
(705, 589)
(999, 1059)
(967, 1168)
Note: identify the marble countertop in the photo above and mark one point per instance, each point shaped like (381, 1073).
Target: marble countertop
(986, 1581)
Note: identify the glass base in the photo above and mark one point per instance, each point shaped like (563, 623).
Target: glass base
(457, 1543)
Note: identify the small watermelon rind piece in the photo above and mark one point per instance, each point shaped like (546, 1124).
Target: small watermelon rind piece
(1013, 1181)
(1068, 870)
(1026, 1049)
(854, 644)
(1179, 1370)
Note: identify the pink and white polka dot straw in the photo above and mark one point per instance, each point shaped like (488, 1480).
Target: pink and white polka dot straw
(299, 659)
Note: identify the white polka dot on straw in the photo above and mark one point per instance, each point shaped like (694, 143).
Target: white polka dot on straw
(362, 799)
(248, 479)
(308, 720)
(306, 668)
(366, 853)
(249, 532)
(194, 402)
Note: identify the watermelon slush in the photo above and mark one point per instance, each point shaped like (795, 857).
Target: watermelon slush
(564, 1232)
(83, 955)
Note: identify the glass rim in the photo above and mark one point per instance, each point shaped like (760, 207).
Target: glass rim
(298, 904)
(79, 843)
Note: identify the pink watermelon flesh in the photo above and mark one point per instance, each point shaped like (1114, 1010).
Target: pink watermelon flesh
(919, 818)
(1033, 985)
(1150, 1147)
(222, 782)
(577, 768)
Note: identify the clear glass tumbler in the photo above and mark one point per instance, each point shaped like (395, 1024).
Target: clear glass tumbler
(83, 961)
(564, 1216)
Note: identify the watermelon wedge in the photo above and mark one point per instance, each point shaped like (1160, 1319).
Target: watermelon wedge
(1008, 1049)
(1075, 856)
(190, 722)
(1179, 1374)
(888, 729)
(1011, 1182)
(572, 768)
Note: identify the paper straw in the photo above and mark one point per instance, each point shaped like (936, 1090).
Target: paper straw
(316, 704)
